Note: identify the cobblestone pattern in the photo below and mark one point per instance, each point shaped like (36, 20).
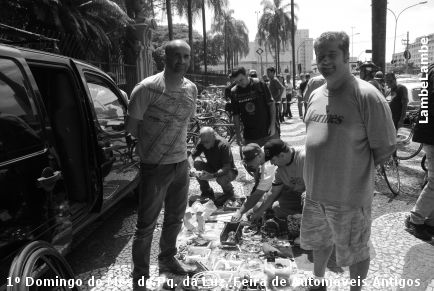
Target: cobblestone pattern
(395, 253)
(399, 259)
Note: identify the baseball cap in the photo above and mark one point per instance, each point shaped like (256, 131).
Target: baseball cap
(274, 147)
(378, 75)
(250, 151)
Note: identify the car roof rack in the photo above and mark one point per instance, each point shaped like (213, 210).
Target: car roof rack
(15, 36)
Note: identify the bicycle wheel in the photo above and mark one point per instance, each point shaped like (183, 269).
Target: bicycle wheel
(224, 129)
(192, 140)
(422, 163)
(390, 171)
(405, 147)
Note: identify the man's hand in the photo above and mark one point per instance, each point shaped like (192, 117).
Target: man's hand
(400, 123)
(240, 140)
(271, 130)
(194, 173)
(205, 176)
(236, 217)
(256, 217)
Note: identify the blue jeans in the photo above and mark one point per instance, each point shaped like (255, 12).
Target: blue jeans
(423, 211)
(223, 181)
(160, 184)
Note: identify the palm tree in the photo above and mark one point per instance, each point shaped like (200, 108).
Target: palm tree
(224, 24)
(169, 18)
(239, 41)
(274, 27)
(193, 8)
(90, 23)
(217, 6)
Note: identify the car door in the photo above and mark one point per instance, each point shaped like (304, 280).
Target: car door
(25, 206)
(118, 161)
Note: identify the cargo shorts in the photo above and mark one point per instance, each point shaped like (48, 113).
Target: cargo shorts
(347, 228)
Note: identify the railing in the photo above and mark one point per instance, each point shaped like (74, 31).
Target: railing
(203, 81)
(126, 75)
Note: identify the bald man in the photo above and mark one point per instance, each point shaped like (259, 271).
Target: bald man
(219, 165)
(158, 113)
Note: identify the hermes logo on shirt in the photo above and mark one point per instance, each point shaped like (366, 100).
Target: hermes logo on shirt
(327, 118)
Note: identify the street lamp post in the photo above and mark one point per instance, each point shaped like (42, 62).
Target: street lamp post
(352, 40)
(257, 27)
(396, 21)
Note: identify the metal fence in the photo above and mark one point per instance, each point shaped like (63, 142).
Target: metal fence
(126, 75)
(203, 81)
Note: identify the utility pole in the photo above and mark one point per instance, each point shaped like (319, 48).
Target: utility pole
(293, 43)
(406, 42)
(379, 13)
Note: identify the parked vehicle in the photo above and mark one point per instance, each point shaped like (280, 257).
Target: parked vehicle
(64, 158)
(413, 89)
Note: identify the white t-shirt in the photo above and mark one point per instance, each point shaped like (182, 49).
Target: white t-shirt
(267, 176)
(346, 131)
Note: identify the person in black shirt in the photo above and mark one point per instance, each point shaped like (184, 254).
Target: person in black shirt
(303, 86)
(219, 165)
(253, 105)
(398, 104)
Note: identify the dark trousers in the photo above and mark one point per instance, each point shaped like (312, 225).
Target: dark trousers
(263, 140)
(223, 181)
(160, 184)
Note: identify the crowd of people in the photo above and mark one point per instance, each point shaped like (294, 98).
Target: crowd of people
(350, 129)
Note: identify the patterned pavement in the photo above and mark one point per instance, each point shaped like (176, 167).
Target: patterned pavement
(399, 261)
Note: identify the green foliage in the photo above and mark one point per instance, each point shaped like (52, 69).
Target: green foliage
(235, 35)
(89, 26)
(274, 27)
(180, 31)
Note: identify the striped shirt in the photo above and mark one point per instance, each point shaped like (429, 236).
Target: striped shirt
(164, 116)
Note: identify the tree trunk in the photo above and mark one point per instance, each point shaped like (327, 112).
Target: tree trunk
(169, 18)
(293, 42)
(190, 34)
(379, 16)
(225, 48)
(204, 37)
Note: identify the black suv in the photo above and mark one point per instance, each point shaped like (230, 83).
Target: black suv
(64, 158)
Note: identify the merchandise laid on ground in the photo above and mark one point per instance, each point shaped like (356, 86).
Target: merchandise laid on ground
(233, 255)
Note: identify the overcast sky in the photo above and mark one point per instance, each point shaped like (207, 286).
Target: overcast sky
(319, 16)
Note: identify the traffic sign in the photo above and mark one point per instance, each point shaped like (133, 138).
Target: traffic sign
(407, 55)
(259, 51)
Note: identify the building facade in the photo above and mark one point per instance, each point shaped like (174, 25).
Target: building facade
(266, 58)
(418, 53)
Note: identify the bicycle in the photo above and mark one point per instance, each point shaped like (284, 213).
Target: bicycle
(389, 173)
(221, 126)
(405, 147)
(422, 164)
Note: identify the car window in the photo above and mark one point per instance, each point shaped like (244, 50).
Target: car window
(109, 110)
(19, 123)
(415, 94)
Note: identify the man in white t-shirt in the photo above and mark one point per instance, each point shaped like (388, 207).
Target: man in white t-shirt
(263, 162)
(349, 130)
(289, 173)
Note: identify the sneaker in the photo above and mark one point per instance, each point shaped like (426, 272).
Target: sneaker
(140, 284)
(207, 194)
(315, 285)
(174, 266)
(418, 230)
(221, 200)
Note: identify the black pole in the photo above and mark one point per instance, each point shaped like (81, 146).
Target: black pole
(293, 43)
(379, 16)
(169, 18)
(204, 36)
